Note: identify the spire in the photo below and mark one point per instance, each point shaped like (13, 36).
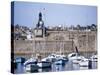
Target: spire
(40, 16)
(40, 23)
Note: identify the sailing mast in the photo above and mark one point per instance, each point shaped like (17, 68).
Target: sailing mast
(71, 36)
(44, 33)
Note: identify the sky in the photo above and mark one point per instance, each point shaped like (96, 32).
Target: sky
(26, 14)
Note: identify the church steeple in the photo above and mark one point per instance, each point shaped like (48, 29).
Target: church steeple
(40, 30)
(40, 16)
(40, 21)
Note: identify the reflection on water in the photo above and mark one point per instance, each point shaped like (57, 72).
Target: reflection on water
(94, 65)
(55, 68)
(20, 68)
(44, 70)
(83, 68)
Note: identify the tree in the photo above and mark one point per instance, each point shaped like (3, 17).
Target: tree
(78, 27)
(93, 27)
(88, 27)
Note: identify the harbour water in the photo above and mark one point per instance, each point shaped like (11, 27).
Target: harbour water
(69, 66)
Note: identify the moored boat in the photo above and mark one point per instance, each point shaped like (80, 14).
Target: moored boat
(94, 58)
(60, 62)
(84, 63)
(19, 60)
(30, 61)
(78, 59)
(44, 64)
(72, 56)
(52, 57)
(31, 67)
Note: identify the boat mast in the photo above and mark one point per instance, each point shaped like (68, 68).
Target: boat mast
(71, 36)
(44, 33)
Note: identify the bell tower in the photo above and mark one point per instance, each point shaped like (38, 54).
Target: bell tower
(40, 23)
(40, 28)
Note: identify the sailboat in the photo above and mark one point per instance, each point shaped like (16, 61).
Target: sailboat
(76, 58)
(75, 55)
(60, 59)
(81, 60)
(30, 64)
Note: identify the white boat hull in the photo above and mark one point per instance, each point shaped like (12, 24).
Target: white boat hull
(60, 62)
(94, 58)
(44, 64)
(76, 61)
(30, 61)
(31, 67)
(84, 64)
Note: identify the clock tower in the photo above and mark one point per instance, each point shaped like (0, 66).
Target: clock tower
(40, 28)
(40, 21)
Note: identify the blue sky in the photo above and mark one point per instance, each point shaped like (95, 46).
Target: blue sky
(26, 13)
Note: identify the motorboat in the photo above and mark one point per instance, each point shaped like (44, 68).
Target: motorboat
(44, 63)
(31, 61)
(84, 63)
(31, 67)
(60, 62)
(72, 56)
(78, 59)
(52, 57)
(19, 60)
(63, 57)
